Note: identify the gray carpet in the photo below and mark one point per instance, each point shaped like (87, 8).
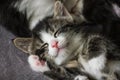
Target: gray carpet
(13, 62)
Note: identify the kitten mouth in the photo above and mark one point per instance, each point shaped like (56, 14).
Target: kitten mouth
(58, 51)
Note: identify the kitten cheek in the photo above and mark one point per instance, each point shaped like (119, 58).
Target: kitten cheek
(62, 44)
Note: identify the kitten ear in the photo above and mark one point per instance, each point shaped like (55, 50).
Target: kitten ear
(60, 12)
(23, 44)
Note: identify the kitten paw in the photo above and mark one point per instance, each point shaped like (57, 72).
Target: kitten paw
(36, 64)
(80, 77)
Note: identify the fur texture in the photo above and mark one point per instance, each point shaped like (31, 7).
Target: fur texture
(83, 43)
(61, 44)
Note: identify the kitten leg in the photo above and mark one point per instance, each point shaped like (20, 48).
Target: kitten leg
(58, 72)
(78, 74)
(37, 65)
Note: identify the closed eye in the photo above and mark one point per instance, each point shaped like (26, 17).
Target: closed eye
(56, 34)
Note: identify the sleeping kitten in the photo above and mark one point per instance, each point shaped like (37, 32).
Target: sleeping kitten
(52, 53)
(97, 57)
(48, 33)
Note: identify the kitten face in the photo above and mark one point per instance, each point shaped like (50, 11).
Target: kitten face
(55, 44)
(47, 33)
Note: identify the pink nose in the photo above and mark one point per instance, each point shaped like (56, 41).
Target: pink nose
(54, 44)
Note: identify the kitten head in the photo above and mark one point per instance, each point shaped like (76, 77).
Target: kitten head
(61, 40)
(45, 39)
(45, 32)
(58, 42)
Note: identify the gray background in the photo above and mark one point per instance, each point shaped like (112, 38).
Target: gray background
(13, 62)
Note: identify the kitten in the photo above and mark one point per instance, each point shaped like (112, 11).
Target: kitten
(37, 48)
(97, 57)
(56, 60)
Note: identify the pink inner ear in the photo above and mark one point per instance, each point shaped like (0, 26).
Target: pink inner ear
(54, 44)
(116, 9)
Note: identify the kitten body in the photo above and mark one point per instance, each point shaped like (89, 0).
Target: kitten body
(84, 43)
(96, 54)
(67, 42)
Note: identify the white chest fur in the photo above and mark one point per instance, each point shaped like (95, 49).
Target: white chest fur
(94, 66)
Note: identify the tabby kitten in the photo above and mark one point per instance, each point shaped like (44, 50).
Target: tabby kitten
(96, 57)
(45, 43)
(60, 49)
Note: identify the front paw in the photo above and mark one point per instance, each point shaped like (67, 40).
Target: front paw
(36, 64)
(81, 77)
